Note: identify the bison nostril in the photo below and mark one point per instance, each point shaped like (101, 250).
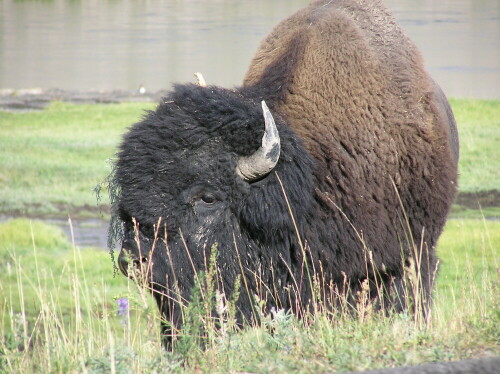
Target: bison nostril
(123, 264)
(125, 259)
(132, 264)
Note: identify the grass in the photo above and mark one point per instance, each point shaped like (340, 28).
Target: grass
(479, 130)
(59, 314)
(58, 301)
(59, 309)
(52, 159)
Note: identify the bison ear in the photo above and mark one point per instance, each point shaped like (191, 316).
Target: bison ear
(264, 159)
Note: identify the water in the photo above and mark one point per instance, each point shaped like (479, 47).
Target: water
(121, 44)
(460, 42)
(83, 232)
(90, 232)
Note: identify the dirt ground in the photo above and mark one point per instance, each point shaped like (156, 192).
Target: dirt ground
(483, 199)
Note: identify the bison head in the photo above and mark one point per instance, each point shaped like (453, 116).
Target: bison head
(205, 168)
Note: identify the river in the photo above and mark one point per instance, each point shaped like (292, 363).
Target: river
(122, 44)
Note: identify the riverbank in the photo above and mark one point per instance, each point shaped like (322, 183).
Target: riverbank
(53, 158)
(24, 100)
(54, 153)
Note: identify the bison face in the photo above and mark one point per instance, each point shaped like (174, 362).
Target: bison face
(174, 215)
(196, 172)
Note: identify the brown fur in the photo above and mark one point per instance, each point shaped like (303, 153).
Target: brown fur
(352, 85)
(368, 161)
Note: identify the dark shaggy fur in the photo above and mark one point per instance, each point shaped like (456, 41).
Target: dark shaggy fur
(368, 163)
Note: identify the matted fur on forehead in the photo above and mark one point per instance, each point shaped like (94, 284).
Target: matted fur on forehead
(190, 115)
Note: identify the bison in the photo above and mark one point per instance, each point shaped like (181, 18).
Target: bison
(329, 172)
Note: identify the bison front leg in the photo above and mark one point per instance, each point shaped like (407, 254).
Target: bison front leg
(171, 319)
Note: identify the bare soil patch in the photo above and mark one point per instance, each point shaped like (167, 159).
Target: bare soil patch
(480, 199)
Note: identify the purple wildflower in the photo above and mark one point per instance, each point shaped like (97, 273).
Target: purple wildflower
(122, 307)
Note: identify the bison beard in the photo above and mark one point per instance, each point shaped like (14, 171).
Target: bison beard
(360, 192)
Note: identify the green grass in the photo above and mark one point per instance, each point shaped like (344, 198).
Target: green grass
(479, 130)
(51, 160)
(60, 301)
(468, 251)
(58, 309)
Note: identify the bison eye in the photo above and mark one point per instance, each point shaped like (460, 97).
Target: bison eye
(203, 198)
(208, 199)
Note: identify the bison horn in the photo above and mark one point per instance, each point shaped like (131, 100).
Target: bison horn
(264, 159)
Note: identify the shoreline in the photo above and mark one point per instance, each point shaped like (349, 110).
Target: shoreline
(33, 99)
